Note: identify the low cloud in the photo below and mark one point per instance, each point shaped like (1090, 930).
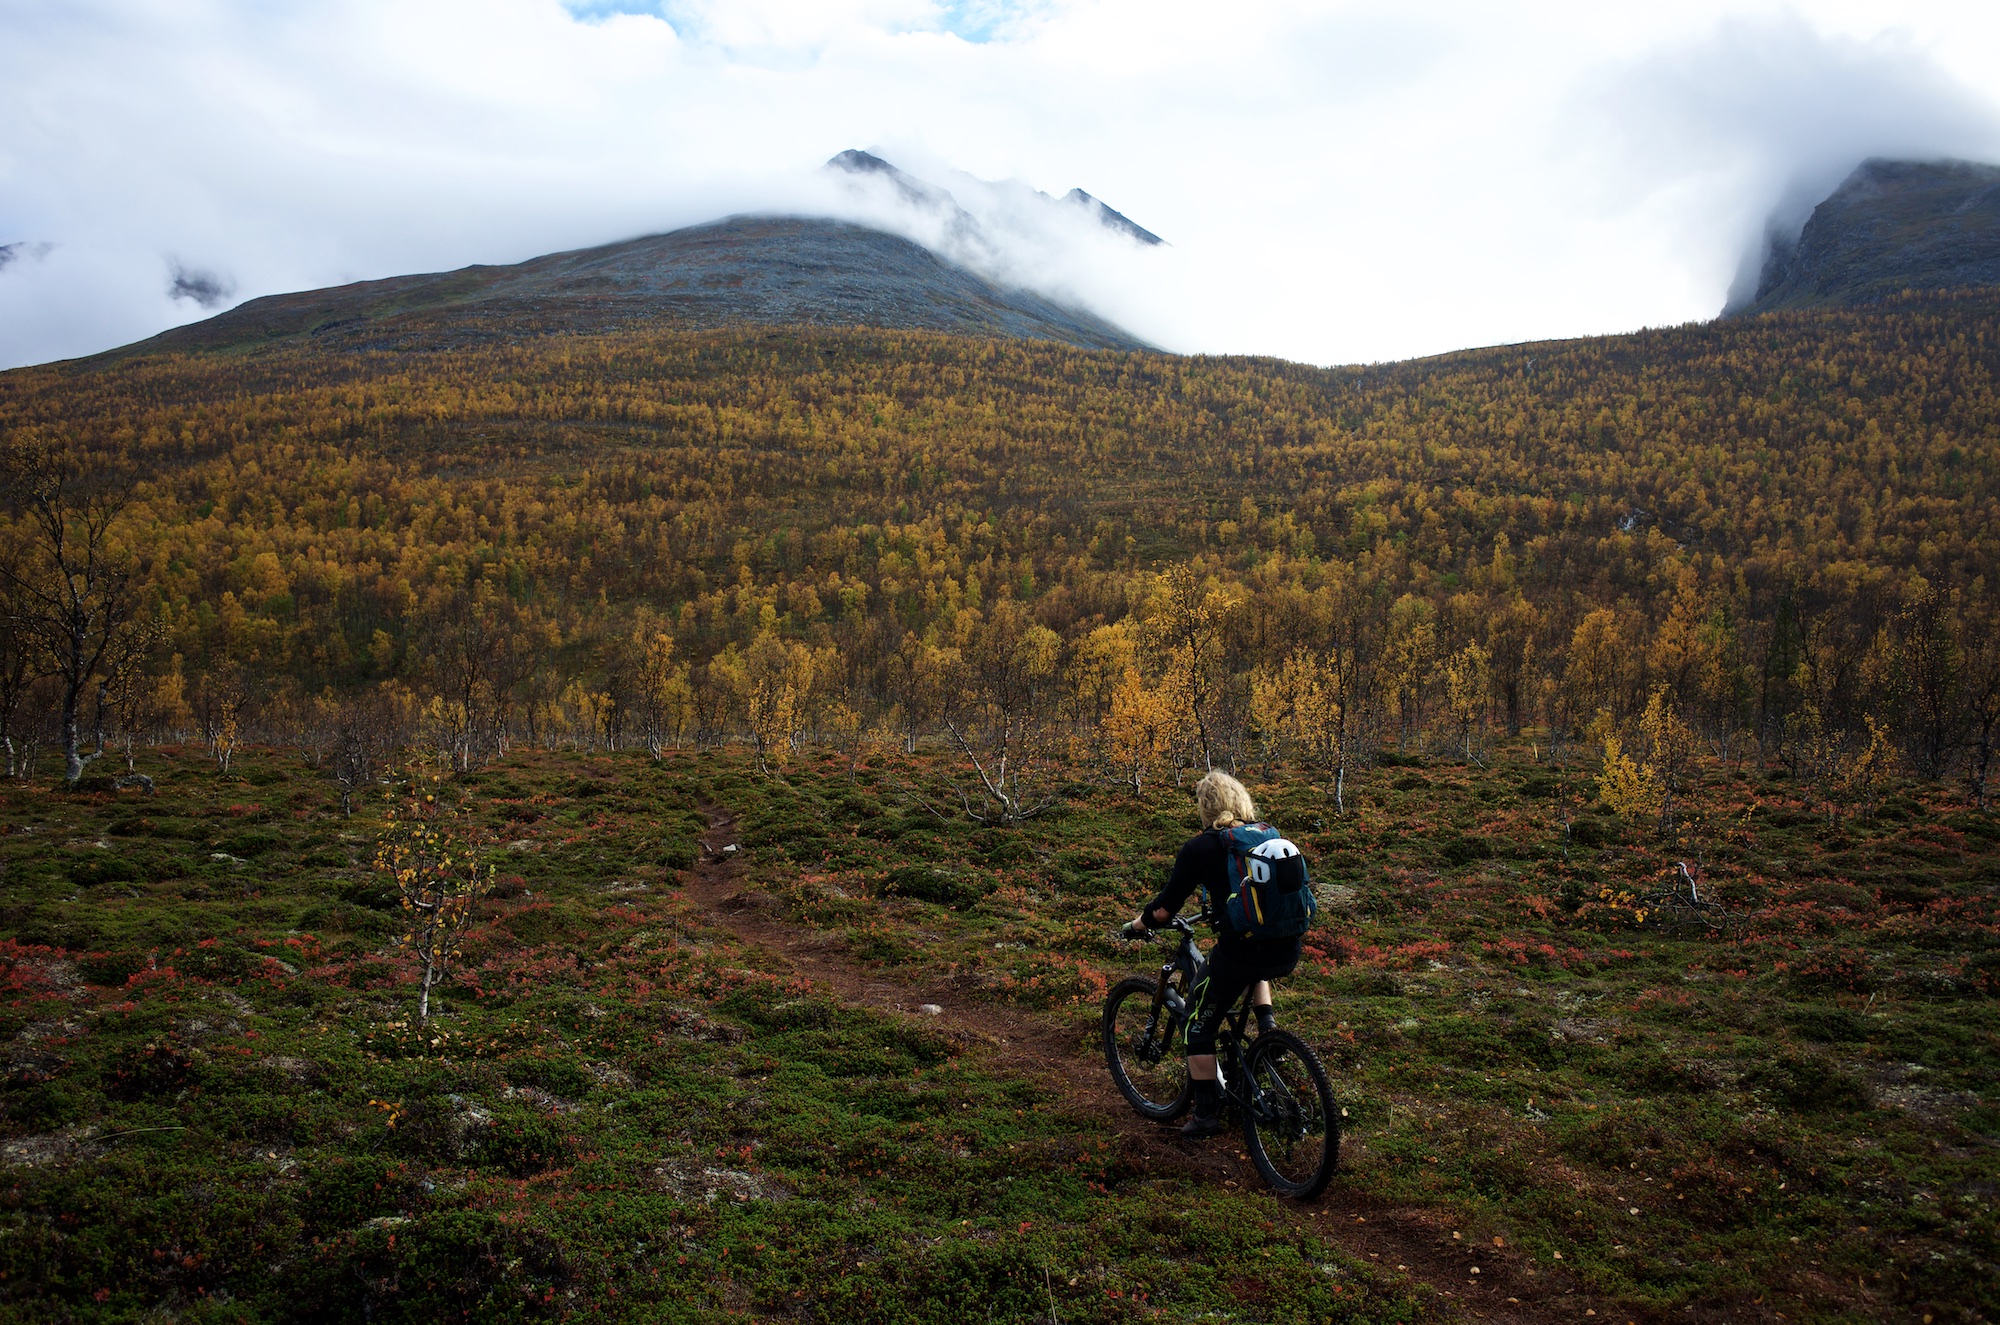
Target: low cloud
(1755, 124)
(1338, 181)
(205, 289)
(23, 252)
(1006, 230)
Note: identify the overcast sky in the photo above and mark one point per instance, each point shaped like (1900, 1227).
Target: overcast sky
(1338, 182)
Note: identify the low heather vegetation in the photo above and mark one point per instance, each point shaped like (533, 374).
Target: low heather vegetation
(219, 1104)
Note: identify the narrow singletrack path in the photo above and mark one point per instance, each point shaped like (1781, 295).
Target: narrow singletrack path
(1061, 1054)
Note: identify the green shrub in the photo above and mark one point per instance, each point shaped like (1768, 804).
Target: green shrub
(1824, 1025)
(1650, 1071)
(1804, 1084)
(1845, 969)
(1586, 831)
(344, 1190)
(930, 884)
(373, 892)
(544, 922)
(1463, 848)
(95, 867)
(251, 843)
(148, 1071)
(1617, 1139)
(358, 921)
(1003, 848)
(1466, 1041)
(1369, 983)
(808, 848)
(1983, 826)
(877, 944)
(127, 864)
(453, 1264)
(221, 960)
(41, 1107)
(1829, 893)
(857, 807)
(558, 1076)
(1091, 881)
(110, 969)
(1907, 892)
(786, 1014)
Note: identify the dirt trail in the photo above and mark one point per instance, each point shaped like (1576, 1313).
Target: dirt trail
(1061, 1054)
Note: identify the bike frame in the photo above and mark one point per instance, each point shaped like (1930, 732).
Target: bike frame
(1273, 1080)
(1192, 963)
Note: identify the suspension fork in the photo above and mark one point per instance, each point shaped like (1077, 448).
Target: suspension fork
(1166, 1005)
(1169, 1005)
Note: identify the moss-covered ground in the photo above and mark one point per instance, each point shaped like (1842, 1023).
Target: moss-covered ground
(217, 1105)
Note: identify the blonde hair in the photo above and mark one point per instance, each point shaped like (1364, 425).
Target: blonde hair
(1223, 801)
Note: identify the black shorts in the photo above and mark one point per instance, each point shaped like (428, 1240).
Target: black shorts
(1233, 966)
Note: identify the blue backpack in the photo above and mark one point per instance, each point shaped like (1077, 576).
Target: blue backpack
(1270, 893)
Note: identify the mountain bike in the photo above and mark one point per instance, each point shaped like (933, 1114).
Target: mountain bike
(1274, 1081)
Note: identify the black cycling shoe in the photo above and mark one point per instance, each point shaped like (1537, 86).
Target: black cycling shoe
(1207, 1119)
(1200, 1125)
(1267, 1020)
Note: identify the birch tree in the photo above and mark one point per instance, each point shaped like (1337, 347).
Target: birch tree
(73, 589)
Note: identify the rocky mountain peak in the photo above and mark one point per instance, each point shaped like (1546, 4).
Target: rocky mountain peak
(926, 196)
(1891, 226)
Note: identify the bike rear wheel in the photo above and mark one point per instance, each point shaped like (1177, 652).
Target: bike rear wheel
(1142, 1046)
(1292, 1125)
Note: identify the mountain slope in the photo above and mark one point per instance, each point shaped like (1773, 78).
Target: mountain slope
(1111, 218)
(1891, 226)
(924, 196)
(760, 270)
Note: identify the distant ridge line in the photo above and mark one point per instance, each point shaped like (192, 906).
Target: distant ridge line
(742, 270)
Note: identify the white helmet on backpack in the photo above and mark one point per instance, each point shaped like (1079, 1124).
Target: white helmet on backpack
(1264, 858)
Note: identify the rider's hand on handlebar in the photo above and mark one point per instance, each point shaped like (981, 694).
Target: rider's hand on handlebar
(1135, 931)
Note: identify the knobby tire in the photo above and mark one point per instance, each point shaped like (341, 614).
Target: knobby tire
(1296, 1143)
(1144, 1051)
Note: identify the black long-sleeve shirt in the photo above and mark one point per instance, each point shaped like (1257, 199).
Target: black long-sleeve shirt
(1203, 860)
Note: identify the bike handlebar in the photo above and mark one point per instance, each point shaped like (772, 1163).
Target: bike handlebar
(1138, 933)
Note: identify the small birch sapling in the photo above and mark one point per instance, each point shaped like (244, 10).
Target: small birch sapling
(428, 848)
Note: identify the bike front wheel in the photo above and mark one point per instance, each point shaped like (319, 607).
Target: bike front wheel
(1142, 1047)
(1292, 1124)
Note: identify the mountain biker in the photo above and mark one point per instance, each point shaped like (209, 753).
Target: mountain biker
(1237, 961)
